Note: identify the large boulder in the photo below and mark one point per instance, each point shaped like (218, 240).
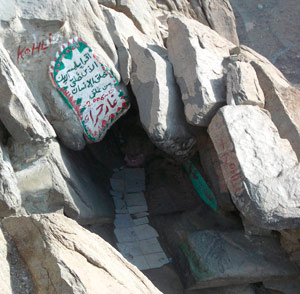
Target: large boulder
(158, 98)
(282, 100)
(197, 55)
(220, 16)
(34, 34)
(218, 259)
(65, 258)
(18, 110)
(51, 179)
(261, 170)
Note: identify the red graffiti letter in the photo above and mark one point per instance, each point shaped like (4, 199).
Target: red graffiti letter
(20, 53)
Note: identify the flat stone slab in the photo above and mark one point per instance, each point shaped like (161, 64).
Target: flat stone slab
(141, 221)
(134, 180)
(137, 209)
(219, 259)
(135, 199)
(123, 221)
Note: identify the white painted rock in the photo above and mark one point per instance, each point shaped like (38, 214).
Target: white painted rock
(261, 170)
(282, 100)
(243, 86)
(158, 99)
(65, 258)
(34, 35)
(197, 54)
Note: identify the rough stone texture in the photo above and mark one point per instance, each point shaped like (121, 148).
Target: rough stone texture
(282, 100)
(30, 28)
(65, 258)
(10, 198)
(18, 110)
(226, 258)
(272, 29)
(50, 179)
(157, 94)
(197, 54)
(212, 168)
(220, 17)
(261, 170)
(121, 29)
(14, 277)
(243, 86)
(139, 11)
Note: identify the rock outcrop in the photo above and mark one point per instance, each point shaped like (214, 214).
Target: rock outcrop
(65, 258)
(205, 210)
(159, 100)
(197, 55)
(261, 169)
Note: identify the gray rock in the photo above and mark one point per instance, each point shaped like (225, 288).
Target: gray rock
(10, 198)
(281, 98)
(19, 112)
(14, 277)
(218, 259)
(60, 253)
(286, 286)
(139, 11)
(243, 86)
(220, 16)
(261, 170)
(158, 99)
(197, 54)
(52, 181)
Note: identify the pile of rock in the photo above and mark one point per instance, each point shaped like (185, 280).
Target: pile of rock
(137, 240)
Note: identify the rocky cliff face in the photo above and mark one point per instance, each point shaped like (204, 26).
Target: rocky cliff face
(89, 86)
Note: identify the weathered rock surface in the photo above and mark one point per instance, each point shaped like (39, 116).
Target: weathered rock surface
(236, 289)
(272, 29)
(218, 259)
(10, 198)
(216, 14)
(158, 99)
(14, 277)
(221, 18)
(139, 11)
(243, 86)
(282, 100)
(261, 170)
(197, 54)
(18, 110)
(50, 179)
(65, 258)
